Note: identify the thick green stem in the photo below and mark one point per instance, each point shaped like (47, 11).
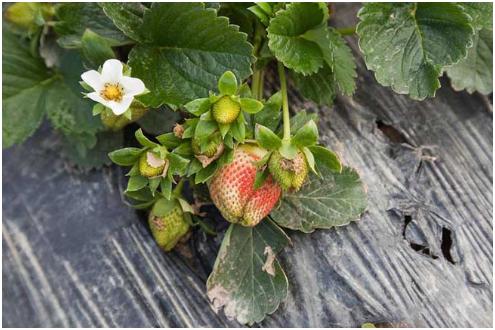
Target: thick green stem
(347, 31)
(285, 101)
(255, 84)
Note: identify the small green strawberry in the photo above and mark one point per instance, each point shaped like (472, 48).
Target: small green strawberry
(226, 110)
(232, 188)
(213, 143)
(289, 173)
(150, 165)
(167, 223)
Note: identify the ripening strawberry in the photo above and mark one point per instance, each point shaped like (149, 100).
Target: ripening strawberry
(167, 223)
(290, 174)
(232, 189)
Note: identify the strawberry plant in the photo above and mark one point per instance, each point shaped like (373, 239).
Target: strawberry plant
(97, 71)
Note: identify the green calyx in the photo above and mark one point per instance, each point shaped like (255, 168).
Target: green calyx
(115, 122)
(290, 174)
(167, 223)
(210, 145)
(150, 165)
(226, 110)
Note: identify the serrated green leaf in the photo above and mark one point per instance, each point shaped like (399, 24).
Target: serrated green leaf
(22, 99)
(327, 158)
(318, 87)
(266, 138)
(143, 140)
(179, 64)
(343, 65)
(251, 106)
(137, 182)
(475, 72)
(306, 136)
(480, 12)
(335, 199)
(271, 114)
(286, 31)
(227, 84)
(75, 18)
(247, 279)
(125, 156)
(127, 16)
(407, 44)
(95, 48)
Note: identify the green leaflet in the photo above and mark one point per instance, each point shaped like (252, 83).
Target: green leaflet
(25, 83)
(318, 87)
(75, 18)
(480, 12)
(336, 199)
(247, 280)
(286, 36)
(407, 44)
(187, 47)
(475, 72)
(127, 16)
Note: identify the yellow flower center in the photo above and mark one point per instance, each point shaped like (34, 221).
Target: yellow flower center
(112, 92)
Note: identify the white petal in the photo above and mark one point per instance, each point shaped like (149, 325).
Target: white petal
(132, 86)
(119, 108)
(93, 79)
(95, 96)
(112, 71)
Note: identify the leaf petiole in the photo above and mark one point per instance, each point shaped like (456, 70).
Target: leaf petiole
(347, 31)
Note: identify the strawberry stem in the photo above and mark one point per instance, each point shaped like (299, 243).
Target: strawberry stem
(285, 102)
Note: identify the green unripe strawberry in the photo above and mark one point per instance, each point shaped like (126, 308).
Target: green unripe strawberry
(290, 174)
(150, 165)
(226, 110)
(167, 223)
(117, 122)
(213, 143)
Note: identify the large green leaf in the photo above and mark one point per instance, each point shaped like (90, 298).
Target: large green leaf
(127, 16)
(25, 83)
(408, 44)
(66, 108)
(75, 18)
(187, 48)
(476, 71)
(287, 36)
(480, 12)
(335, 199)
(318, 87)
(247, 280)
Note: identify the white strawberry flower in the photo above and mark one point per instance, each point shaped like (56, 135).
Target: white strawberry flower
(112, 88)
